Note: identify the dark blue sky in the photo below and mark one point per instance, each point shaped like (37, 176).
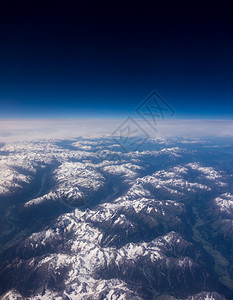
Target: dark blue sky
(95, 60)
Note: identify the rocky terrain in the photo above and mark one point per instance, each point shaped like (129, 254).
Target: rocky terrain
(83, 219)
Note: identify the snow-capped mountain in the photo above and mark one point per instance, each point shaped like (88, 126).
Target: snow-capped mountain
(82, 219)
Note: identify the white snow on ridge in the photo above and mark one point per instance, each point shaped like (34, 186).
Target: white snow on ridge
(112, 289)
(208, 172)
(86, 256)
(74, 178)
(11, 180)
(29, 156)
(78, 241)
(127, 170)
(171, 181)
(12, 295)
(225, 203)
(51, 196)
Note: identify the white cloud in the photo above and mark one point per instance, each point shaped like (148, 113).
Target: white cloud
(30, 129)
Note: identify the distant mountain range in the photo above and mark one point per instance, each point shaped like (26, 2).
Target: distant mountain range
(83, 219)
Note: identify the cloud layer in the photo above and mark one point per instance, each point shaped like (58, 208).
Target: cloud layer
(30, 129)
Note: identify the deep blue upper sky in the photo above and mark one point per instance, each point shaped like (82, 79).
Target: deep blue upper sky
(104, 59)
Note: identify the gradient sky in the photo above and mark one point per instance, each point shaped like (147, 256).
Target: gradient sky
(103, 60)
